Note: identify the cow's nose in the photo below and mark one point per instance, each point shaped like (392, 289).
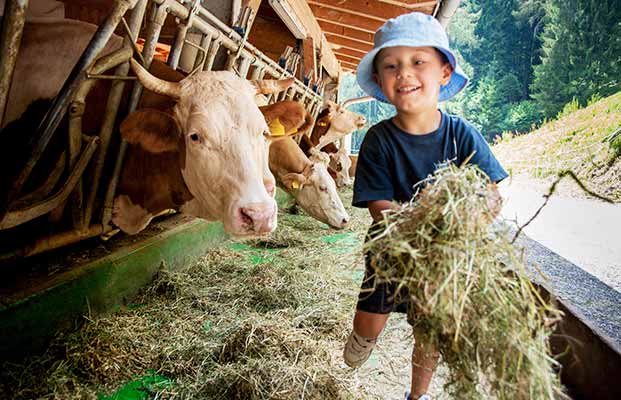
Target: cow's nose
(258, 217)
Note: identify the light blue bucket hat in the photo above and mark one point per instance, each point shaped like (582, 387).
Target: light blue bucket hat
(414, 30)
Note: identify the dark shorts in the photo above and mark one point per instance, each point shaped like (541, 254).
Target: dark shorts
(377, 296)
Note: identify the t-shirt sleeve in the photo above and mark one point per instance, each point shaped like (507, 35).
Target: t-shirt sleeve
(373, 179)
(473, 141)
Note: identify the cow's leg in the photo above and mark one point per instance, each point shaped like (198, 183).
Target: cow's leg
(130, 217)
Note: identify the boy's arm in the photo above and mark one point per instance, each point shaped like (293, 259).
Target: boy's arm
(377, 206)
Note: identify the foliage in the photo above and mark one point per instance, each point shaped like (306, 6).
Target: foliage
(581, 53)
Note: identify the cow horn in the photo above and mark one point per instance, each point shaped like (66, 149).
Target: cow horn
(357, 100)
(268, 86)
(157, 85)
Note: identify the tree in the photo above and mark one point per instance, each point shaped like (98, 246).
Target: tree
(581, 53)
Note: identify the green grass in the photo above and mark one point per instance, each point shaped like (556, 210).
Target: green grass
(578, 141)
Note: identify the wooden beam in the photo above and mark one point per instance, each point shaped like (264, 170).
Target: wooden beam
(331, 35)
(348, 59)
(349, 52)
(349, 20)
(308, 51)
(349, 65)
(349, 43)
(343, 31)
(373, 9)
(341, 23)
(305, 14)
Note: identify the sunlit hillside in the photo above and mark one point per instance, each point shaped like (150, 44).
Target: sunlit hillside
(586, 141)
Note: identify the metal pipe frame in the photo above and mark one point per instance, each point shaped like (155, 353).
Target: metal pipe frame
(135, 22)
(53, 242)
(76, 111)
(175, 51)
(54, 116)
(16, 217)
(10, 39)
(231, 40)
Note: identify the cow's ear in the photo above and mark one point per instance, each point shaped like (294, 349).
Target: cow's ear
(293, 181)
(155, 131)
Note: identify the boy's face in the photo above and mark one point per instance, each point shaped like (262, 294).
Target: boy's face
(410, 77)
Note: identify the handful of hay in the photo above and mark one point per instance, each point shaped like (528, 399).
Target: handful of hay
(468, 288)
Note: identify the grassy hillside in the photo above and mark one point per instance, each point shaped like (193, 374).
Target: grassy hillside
(579, 140)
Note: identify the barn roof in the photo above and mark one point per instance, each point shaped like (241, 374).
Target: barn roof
(349, 25)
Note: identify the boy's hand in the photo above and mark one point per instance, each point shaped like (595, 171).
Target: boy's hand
(377, 206)
(494, 200)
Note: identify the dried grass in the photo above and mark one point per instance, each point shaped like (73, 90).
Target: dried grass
(263, 319)
(469, 288)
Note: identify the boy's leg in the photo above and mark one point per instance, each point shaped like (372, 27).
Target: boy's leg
(368, 324)
(424, 361)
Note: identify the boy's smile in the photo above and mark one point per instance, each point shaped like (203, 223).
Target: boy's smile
(410, 77)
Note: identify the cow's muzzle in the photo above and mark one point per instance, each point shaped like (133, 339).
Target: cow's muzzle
(256, 218)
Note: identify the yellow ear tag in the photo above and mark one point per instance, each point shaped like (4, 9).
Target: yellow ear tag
(321, 123)
(295, 185)
(276, 128)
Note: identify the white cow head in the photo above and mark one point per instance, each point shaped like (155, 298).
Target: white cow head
(340, 164)
(221, 136)
(314, 190)
(342, 123)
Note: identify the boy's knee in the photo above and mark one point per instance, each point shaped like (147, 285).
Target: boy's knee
(369, 325)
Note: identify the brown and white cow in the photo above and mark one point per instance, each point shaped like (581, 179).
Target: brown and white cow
(333, 123)
(202, 149)
(308, 182)
(207, 156)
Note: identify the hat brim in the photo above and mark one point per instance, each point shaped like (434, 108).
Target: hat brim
(364, 72)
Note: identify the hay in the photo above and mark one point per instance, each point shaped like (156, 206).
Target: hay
(260, 319)
(469, 288)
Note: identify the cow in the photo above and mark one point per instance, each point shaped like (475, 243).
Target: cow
(308, 182)
(48, 51)
(333, 123)
(216, 136)
(287, 117)
(198, 145)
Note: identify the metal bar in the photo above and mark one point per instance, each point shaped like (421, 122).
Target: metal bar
(230, 39)
(135, 22)
(256, 72)
(244, 66)
(10, 39)
(204, 47)
(211, 55)
(46, 188)
(53, 242)
(148, 50)
(53, 117)
(175, 51)
(111, 77)
(17, 217)
(112, 107)
(76, 111)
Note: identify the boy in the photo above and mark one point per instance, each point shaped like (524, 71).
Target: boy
(411, 67)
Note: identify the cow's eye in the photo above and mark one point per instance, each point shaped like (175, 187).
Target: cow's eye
(195, 137)
(323, 188)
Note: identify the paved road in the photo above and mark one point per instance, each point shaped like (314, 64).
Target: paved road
(586, 232)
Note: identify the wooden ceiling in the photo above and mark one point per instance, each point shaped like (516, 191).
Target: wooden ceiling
(349, 25)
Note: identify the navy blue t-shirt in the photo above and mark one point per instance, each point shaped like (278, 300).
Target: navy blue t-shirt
(392, 161)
